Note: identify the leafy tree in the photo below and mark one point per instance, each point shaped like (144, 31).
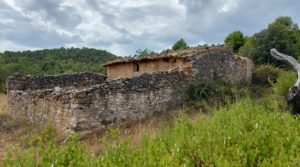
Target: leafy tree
(236, 38)
(180, 44)
(276, 36)
(247, 49)
(282, 34)
(144, 53)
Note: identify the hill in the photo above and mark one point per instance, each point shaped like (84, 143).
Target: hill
(52, 61)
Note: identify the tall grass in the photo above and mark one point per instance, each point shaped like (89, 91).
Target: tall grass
(284, 82)
(3, 103)
(239, 132)
(243, 134)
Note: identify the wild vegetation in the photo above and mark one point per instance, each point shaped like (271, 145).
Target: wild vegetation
(251, 128)
(248, 124)
(2, 103)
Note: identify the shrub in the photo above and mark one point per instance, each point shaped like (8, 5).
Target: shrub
(284, 82)
(243, 134)
(264, 75)
(205, 95)
(200, 90)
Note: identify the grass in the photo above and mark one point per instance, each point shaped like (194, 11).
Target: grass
(15, 132)
(246, 133)
(3, 103)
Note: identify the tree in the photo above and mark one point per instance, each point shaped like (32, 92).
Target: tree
(281, 34)
(180, 44)
(247, 49)
(278, 35)
(236, 38)
(144, 53)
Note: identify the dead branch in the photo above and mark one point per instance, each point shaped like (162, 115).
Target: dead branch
(293, 63)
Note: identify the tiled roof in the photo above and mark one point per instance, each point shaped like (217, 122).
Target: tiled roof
(178, 53)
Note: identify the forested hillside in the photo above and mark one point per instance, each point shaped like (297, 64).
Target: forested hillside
(52, 61)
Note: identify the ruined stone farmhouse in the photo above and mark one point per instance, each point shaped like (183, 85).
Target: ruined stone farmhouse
(134, 88)
(197, 63)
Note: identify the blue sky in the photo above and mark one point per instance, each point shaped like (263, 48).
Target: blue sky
(124, 26)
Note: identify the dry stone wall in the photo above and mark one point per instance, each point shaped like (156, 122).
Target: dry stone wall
(221, 65)
(99, 106)
(86, 102)
(83, 79)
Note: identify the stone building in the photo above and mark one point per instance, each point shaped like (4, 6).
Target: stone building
(198, 63)
(133, 90)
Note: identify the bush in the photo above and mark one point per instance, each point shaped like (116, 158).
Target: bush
(264, 75)
(284, 82)
(204, 95)
(243, 134)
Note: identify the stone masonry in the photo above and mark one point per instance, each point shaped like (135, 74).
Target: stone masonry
(221, 65)
(88, 102)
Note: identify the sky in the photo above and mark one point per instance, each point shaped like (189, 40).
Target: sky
(124, 26)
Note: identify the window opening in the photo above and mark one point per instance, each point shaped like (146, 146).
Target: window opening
(136, 68)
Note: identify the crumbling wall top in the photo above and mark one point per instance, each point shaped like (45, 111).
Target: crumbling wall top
(82, 79)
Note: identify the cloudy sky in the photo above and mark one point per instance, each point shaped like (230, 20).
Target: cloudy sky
(124, 26)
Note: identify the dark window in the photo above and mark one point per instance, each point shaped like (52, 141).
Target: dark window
(136, 68)
(174, 60)
(166, 60)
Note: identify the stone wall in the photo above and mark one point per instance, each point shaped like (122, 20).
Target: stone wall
(86, 102)
(221, 65)
(102, 105)
(83, 79)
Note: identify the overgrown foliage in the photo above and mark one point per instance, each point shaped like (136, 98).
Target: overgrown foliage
(264, 75)
(244, 134)
(206, 95)
(284, 82)
(52, 61)
(246, 131)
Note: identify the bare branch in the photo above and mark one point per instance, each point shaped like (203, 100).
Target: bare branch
(294, 91)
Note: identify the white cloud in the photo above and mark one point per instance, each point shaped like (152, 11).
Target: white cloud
(124, 26)
(7, 21)
(228, 5)
(12, 46)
